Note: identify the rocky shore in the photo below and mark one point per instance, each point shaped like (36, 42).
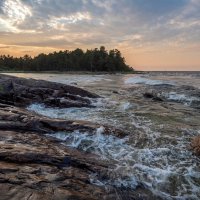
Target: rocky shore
(34, 165)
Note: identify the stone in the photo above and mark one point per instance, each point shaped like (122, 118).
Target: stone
(195, 145)
(22, 92)
(153, 96)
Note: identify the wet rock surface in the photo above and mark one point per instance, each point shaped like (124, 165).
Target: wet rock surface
(153, 96)
(22, 92)
(34, 165)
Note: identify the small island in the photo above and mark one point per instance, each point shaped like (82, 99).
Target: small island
(95, 60)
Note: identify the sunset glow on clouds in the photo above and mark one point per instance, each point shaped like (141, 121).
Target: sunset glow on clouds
(152, 34)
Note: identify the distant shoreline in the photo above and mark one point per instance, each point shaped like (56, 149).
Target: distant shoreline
(97, 72)
(73, 72)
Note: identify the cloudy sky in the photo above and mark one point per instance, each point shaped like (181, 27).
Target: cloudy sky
(151, 34)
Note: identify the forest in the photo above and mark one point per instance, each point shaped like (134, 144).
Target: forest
(95, 60)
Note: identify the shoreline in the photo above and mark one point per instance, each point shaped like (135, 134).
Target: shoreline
(93, 73)
(72, 72)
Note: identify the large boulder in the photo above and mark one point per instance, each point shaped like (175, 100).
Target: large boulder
(22, 92)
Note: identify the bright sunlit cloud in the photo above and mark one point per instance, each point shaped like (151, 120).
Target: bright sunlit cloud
(14, 13)
(61, 22)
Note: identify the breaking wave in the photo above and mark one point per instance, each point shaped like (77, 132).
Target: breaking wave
(187, 100)
(142, 80)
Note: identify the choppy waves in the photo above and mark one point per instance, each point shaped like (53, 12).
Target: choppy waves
(169, 169)
(160, 160)
(183, 98)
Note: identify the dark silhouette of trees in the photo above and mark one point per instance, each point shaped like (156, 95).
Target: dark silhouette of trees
(94, 60)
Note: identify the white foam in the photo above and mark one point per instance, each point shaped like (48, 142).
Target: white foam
(102, 102)
(69, 79)
(125, 106)
(100, 130)
(72, 113)
(180, 98)
(142, 80)
(64, 113)
(97, 142)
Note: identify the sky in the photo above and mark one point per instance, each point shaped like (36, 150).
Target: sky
(151, 34)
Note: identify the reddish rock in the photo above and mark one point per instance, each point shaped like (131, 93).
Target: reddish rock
(195, 145)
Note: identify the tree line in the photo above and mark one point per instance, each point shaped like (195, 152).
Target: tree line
(77, 60)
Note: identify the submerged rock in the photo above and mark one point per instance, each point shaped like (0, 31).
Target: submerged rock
(153, 96)
(195, 104)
